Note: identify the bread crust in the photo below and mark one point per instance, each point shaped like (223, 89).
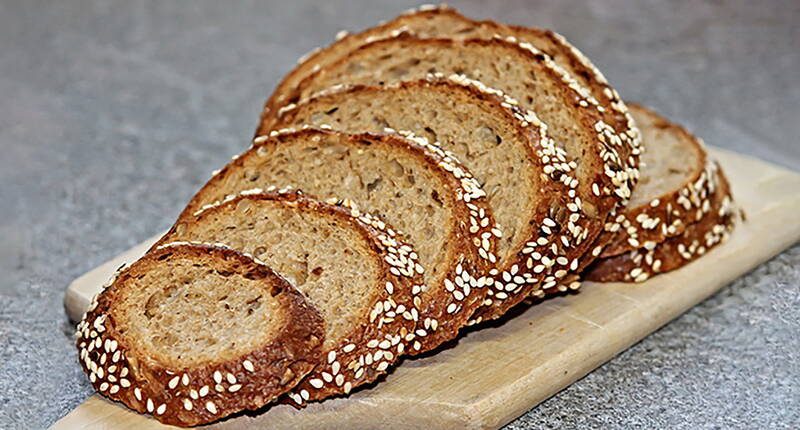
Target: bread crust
(675, 252)
(537, 266)
(667, 215)
(388, 326)
(199, 394)
(470, 246)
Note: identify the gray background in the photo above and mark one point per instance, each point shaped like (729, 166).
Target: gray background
(113, 113)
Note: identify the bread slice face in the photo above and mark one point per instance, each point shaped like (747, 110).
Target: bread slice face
(529, 182)
(675, 189)
(194, 333)
(409, 183)
(675, 252)
(361, 276)
(445, 22)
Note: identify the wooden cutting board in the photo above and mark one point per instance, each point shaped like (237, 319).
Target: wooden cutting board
(495, 374)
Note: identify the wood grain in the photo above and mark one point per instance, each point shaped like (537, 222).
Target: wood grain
(495, 374)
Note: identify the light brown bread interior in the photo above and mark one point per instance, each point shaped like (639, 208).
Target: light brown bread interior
(188, 311)
(330, 262)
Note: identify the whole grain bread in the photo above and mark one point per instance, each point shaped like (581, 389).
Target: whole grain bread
(445, 22)
(363, 278)
(193, 333)
(676, 186)
(408, 183)
(529, 181)
(674, 252)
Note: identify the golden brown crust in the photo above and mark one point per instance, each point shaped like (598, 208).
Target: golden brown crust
(390, 321)
(667, 215)
(470, 247)
(674, 252)
(536, 265)
(199, 394)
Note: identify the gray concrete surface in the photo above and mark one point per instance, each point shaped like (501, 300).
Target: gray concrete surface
(112, 113)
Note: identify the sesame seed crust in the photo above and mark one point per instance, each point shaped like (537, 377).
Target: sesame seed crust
(675, 252)
(470, 246)
(181, 396)
(666, 215)
(346, 367)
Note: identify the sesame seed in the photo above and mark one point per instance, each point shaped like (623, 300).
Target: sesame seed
(211, 407)
(187, 404)
(248, 365)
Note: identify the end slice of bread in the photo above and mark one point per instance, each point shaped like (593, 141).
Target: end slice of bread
(530, 183)
(675, 190)
(357, 271)
(193, 333)
(405, 181)
(675, 252)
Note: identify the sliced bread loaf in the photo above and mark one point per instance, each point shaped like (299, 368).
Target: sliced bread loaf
(640, 264)
(675, 190)
(529, 181)
(363, 279)
(191, 334)
(445, 22)
(410, 184)
(518, 70)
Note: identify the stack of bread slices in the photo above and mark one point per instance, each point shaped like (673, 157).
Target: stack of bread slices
(405, 182)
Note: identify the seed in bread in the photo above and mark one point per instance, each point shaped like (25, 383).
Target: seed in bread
(364, 279)
(193, 333)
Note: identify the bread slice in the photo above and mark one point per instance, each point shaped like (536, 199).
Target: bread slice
(445, 22)
(518, 70)
(194, 333)
(674, 252)
(528, 180)
(361, 276)
(677, 182)
(409, 183)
